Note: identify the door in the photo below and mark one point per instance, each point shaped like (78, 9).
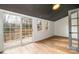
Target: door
(74, 29)
(12, 30)
(26, 30)
(17, 30)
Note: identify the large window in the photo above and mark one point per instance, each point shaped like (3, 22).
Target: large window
(26, 27)
(11, 27)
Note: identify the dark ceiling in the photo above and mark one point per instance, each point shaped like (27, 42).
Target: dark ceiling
(40, 10)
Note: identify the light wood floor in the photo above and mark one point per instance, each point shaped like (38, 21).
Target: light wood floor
(54, 45)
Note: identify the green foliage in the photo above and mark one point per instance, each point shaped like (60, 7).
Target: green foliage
(9, 29)
(27, 26)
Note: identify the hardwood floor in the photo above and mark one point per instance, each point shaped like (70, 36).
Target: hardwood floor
(54, 45)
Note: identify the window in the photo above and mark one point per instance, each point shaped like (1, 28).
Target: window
(46, 24)
(42, 24)
(39, 25)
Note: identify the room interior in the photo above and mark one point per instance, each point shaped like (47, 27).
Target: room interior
(39, 28)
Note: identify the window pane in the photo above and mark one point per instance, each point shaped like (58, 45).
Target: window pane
(39, 25)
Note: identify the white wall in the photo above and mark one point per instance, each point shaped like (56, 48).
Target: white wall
(1, 33)
(61, 27)
(40, 35)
